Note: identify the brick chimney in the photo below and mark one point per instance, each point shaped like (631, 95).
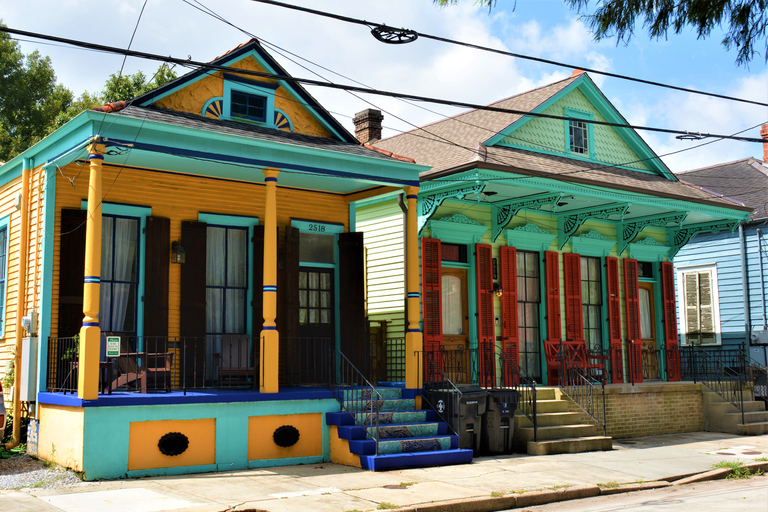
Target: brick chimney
(764, 135)
(368, 125)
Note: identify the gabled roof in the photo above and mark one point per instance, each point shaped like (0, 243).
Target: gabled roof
(743, 180)
(253, 49)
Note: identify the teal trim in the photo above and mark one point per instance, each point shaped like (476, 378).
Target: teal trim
(8, 177)
(542, 317)
(238, 221)
(253, 464)
(529, 238)
(389, 196)
(209, 103)
(284, 120)
(352, 217)
(457, 232)
(316, 227)
(592, 244)
(583, 116)
(318, 265)
(253, 88)
(648, 252)
(46, 287)
(141, 213)
(183, 470)
(604, 306)
(5, 224)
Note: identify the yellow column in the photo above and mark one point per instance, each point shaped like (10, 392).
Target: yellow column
(413, 337)
(90, 333)
(269, 335)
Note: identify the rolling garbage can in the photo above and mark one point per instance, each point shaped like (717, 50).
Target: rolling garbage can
(499, 422)
(472, 408)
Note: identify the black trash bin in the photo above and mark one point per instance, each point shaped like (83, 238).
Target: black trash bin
(472, 406)
(499, 422)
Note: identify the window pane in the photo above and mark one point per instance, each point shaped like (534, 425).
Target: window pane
(453, 314)
(214, 307)
(215, 259)
(107, 246)
(303, 298)
(235, 314)
(237, 257)
(325, 316)
(314, 316)
(316, 248)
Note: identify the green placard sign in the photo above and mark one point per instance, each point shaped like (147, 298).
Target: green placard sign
(113, 346)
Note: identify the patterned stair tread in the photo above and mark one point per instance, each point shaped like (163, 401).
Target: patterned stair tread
(413, 444)
(384, 393)
(415, 460)
(395, 404)
(408, 430)
(395, 417)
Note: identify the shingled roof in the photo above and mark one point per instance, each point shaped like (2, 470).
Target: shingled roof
(456, 144)
(743, 180)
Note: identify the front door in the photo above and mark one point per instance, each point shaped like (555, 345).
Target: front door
(648, 332)
(316, 325)
(455, 325)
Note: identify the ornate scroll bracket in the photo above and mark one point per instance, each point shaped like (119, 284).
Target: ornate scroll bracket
(629, 230)
(570, 222)
(429, 203)
(508, 209)
(677, 238)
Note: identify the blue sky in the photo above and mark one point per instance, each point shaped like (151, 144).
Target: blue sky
(541, 28)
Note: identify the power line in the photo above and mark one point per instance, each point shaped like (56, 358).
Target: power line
(392, 94)
(506, 53)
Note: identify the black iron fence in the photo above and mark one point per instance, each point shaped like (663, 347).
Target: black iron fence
(155, 363)
(395, 359)
(514, 377)
(584, 389)
(724, 371)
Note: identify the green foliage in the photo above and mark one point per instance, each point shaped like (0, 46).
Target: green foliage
(738, 470)
(744, 21)
(386, 506)
(127, 87)
(608, 485)
(482, 3)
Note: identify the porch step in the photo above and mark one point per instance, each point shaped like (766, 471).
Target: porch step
(559, 432)
(406, 437)
(570, 445)
(722, 416)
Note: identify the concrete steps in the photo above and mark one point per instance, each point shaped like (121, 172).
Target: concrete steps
(560, 430)
(722, 416)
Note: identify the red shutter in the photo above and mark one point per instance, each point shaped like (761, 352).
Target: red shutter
(553, 295)
(431, 289)
(486, 332)
(670, 321)
(614, 319)
(574, 316)
(632, 300)
(509, 334)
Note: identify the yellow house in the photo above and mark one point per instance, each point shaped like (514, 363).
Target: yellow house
(220, 315)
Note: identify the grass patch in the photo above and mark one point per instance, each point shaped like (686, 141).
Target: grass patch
(762, 459)
(497, 494)
(556, 487)
(738, 470)
(639, 481)
(405, 484)
(386, 506)
(608, 485)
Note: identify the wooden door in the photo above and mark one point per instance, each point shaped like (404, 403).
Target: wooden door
(455, 324)
(648, 331)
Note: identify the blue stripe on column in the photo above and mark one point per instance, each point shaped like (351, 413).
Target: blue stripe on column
(413, 295)
(269, 328)
(270, 179)
(90, 324)
(269, 288)
(411, 196)
(96, 157)
(92, 279)
(414, 330)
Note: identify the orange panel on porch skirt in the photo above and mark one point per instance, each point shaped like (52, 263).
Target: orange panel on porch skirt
(143, 452)
(262, 446)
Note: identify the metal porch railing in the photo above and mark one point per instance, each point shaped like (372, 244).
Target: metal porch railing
(586, 391)
(722, 371)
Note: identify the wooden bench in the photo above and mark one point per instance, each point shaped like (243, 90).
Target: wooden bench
(141, 368)
(576, 353)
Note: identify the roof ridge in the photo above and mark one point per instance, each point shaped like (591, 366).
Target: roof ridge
(390, 154)
(716, 165)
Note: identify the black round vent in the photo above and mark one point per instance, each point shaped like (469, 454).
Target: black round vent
(286, 436)
(173, 443)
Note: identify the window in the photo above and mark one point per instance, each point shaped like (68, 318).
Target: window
(578, 137)
(592, 302)
(3, 271)
(315, 297)
(454, 253)
(248, 106)
(528, 303)
(699, 305)
(226, 280)
(119, 273)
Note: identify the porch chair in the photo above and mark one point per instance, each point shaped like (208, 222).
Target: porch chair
(234, 364)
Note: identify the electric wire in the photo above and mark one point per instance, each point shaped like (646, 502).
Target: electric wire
(204, 65)
(507, 53)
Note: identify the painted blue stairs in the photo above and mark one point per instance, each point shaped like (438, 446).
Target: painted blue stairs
(408, 438)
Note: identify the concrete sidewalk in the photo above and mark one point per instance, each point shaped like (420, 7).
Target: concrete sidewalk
(489, 483)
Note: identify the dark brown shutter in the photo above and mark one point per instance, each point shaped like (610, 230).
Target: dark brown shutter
(157, 256)
(432, 295)
(670, 321)
(574, 316)
(192, 302)
(486, 333)
(614, 319)
(289, 322)
(632, 301)
(552, 265)
(257, 307)
(352, 293)
(71, 266)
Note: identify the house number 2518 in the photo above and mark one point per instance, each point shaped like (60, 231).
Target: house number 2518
(317, 227)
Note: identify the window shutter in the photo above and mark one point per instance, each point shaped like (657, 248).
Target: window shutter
(71, 263)
(192, 302)
(614, 319)
(431, 294)
(486, 332)
(632, 300)
(157, 256)
(352, 291)
(257, 307)
(289, 317)
(670, 321)
(553, 295)
(574, 316)
(509, 334)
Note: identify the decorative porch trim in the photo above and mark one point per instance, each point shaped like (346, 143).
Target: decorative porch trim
(457, 229)
(529, 237)
(592, 243)
(677, 238)
(629, 230)
(508, 209)
(429, 203)
(570, 222)
(648, 249)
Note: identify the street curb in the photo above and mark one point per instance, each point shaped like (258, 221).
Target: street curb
(719, 474)
(634, 487)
